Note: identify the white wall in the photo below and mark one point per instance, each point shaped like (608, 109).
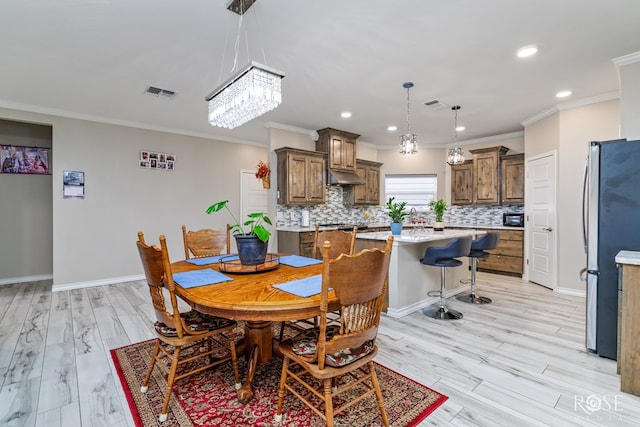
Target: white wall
(94, 238)
(630, 101)
(569, 132)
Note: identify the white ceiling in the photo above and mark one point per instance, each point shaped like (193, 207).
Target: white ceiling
(95, 58)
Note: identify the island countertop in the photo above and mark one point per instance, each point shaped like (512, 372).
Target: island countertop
(409, 236)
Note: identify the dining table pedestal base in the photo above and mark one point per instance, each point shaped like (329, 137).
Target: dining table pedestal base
(258, 349)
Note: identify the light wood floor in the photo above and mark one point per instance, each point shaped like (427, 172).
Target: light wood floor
(517, 362)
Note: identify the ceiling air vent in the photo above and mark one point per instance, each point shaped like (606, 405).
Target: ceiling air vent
(434, 104)
(156, 91)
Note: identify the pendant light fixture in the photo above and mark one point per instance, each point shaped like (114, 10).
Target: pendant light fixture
(247, 94)
(455, 154)
(408, 141)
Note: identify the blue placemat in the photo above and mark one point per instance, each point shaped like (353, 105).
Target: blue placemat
(211, 259)
(192, 279)
(298, 261)
(303, 287)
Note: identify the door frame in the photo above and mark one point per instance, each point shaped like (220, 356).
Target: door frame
(527, 212)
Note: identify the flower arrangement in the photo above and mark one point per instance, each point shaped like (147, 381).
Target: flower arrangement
(438, 207)
(262, 170)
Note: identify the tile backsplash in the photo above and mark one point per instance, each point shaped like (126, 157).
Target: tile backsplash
(334, 211)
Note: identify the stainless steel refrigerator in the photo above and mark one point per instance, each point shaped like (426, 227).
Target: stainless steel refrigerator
(611, 222)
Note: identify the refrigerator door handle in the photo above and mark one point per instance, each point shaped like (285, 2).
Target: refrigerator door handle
(584, 205)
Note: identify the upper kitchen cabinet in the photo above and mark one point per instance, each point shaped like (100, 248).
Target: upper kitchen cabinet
(461, 183)
(512, 179)
(486, 175)
(369, 192)
(340, 147)
(301, 177)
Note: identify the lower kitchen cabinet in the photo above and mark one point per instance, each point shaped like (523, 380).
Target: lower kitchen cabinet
(296, 243)
(507, 257)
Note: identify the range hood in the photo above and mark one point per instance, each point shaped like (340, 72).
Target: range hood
(335, 177)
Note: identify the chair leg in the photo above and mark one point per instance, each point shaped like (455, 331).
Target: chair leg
(472, 297)
(328, 402)
(441, 312)
(147, 378)
(234, 362)
(170, 380)
(281, 391)
(376, 386)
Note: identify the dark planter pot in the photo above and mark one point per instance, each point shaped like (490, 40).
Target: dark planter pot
(251, 250)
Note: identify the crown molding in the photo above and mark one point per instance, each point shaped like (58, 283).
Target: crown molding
(631, 58)
(475, 141)
(98, 119)
(282, 126)
(568, 105)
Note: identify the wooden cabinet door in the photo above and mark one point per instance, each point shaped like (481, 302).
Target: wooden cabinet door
(486, 175)
(297, 178)
(315, 180)
(360, 192)
(513, 179)
(461, 183)
(373, 185)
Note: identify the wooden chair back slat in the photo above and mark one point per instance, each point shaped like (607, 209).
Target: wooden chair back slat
(206, 242)
(342, 242)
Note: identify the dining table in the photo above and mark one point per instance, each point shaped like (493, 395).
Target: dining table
(251, 294)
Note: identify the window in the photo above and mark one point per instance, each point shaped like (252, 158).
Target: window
(416, 190)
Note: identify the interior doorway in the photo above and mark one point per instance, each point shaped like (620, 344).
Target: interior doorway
(540, 216)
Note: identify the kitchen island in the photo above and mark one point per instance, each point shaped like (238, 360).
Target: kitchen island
(409, 279)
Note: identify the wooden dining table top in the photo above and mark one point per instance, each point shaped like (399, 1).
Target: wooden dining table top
(251, 296)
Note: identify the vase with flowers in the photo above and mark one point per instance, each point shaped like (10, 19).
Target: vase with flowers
(263, 172)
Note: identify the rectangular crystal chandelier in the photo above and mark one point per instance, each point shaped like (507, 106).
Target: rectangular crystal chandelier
(249, 93)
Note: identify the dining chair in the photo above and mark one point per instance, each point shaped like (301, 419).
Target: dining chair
(342, 242)
(205, 242)
(181, 337)
(318, 360)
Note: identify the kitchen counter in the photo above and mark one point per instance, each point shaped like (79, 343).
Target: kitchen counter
(628, 257)
(301, 229)
(409, 279)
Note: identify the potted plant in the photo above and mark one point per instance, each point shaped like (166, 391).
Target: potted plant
(438, 207)
(397, 213)
(252, 245)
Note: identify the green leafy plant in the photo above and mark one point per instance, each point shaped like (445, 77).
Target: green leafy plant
(397, 210)
(438, 207)
(254, 222)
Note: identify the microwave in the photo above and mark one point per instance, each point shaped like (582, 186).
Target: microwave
(513, 219)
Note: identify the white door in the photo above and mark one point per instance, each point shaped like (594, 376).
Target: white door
(253, 197)
(540, 223)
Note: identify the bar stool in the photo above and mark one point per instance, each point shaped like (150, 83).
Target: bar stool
(478, 248)
(443, 257)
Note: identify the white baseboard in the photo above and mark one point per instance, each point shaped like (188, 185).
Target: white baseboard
(26, 279)
(572, 292)
(92, 283)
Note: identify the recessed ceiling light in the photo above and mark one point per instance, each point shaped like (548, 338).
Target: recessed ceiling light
(460, 128)
(563, 94)
(345, 114)
(527, 51)
(392, 128)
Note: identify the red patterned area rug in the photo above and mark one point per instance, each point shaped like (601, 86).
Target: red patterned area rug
(209, 398)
